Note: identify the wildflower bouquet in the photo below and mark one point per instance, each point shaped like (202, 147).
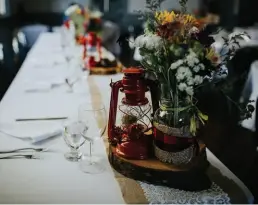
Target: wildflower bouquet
(78, 16)
(177, 49)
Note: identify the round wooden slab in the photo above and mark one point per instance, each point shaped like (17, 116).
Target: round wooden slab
(106, 70)
(190, 178)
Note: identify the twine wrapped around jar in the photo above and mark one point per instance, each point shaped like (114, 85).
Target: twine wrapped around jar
(173, 141)
(177, 158)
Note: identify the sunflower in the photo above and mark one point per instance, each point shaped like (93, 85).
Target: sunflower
(164, 17)
(191, 21)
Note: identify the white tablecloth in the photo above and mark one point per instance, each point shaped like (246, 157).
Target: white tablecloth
(52, 179)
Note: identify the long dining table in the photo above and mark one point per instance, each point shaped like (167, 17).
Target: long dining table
(50, 178)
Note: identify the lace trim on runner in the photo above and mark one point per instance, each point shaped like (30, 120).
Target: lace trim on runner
(165, 195)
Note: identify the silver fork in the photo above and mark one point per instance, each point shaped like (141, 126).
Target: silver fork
(28, 156)
(24, 149)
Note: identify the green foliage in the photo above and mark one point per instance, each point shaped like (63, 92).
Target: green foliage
(153, 5)
(149, 26)
(198, 48)
(183, 5)
(129, 119)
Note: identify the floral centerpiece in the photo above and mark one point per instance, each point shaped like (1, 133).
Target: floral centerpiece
(177, 49)
(76, 17)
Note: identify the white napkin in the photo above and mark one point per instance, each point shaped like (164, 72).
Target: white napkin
(42, 86)
(34, 132)
(37, 138)
(36, 87)
(48, 62)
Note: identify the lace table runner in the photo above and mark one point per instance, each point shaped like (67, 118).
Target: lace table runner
(166, 195)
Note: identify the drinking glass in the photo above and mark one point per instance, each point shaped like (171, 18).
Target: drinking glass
(68, 54)
(93, 115)
(73, 135)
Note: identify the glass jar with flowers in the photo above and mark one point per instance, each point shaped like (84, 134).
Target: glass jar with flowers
(178, 50)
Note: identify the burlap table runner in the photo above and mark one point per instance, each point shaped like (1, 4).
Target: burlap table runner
(131, 189)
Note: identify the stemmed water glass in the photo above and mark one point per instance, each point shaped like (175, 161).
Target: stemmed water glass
(73, 136)
(93, 115)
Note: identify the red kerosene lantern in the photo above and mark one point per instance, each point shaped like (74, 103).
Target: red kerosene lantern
(92, 49)
(130, 115)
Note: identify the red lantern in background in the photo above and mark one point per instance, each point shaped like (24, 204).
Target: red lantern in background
(92, 46)
(67, 24)
(130, 115)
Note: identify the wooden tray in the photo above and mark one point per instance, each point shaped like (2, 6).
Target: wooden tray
(106, 71)
(190, 178)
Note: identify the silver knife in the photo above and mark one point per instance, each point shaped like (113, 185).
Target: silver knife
(23, 149)
(41, 119)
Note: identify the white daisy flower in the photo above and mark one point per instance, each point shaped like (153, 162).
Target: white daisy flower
(180, 77)
(182, 86)
(148, 41)
(183, 72)
(196, 60)
(189, 73)
(176, 64)
(196, 68)
(202, 66)
(198, 80)
(157, 41)
(190, 61)
(190, 81)
(192, 58)
(139, 41)
(189, 91)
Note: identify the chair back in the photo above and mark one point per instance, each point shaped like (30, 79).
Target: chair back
(32, 33)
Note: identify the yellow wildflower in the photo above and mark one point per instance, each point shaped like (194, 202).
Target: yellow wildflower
(212, 55)
(78, 11)
(189, 19)
(164, 17)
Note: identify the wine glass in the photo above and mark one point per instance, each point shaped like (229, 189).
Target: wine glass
(73, 136)
(93, 115)
(68, 54)
(75, 74)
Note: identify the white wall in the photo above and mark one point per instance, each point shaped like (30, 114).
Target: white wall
(134, 5)
(168, 4)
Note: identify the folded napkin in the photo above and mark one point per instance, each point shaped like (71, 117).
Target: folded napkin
(37, 138)
(48, 62)
(39, 86)
(34, 132)
(43, 86)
